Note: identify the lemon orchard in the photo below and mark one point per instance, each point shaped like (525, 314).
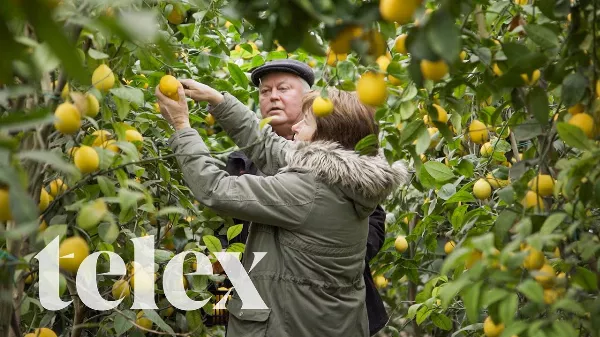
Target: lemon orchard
(73, 256)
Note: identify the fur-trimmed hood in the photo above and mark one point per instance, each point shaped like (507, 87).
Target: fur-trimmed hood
(364, 178)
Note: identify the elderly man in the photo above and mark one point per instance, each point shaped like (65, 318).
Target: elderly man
(281, 85)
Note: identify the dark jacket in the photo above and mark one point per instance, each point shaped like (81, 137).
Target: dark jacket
(238, 164)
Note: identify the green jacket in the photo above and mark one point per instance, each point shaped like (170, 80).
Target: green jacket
(310, 214)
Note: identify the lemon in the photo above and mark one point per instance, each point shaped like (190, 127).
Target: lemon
(42, 332)
(475, 256)
(462, 55)
(103, 78)
(371, 89)
(532, 200)
(332, 58)
(478, 132)
(598, 88)
(168, 86)
(68, 118)
(380, 282)
(486, 150)
(377, 44)
(86, 159)
(91, 214)
(111, 145)
(5, 213)
(434, 70)
(43, 226)
(435, 139)
(490, 329)
(535, 76)
(584, 122)
(120, 289)
(342, 43)
(64, 94)
(576, 109)
(93, 106)
(44, 200)
(177, 15)
(312, 63)
(442, 115)
(482, 189)
(545, 276)
(78, 247)
(383, 62)
(143, 321)
(550, 296)
(400, 11)
(497, 70)
(543, 185)
(134, 136)
(449, 247)
(400, 44)
(210, 120)
(322, 106)
(57, 186)
(534, 260)
(101, 136)
(401, 244)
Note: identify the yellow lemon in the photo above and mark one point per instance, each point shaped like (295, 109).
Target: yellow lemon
(482, 189)
(143, 321)
(478, 132)
(400, 11)
(442, 115)
(120, 289)
(57, 186)
(93, 106)
(377, 43)
(380, 282)
(534, 260)
(532, 200)
(550, 296)
(475, 256)
(101, 136)
(44, 200)
(434, 70)
(322, 106)
(449, 247)
(134, 136)
(545, 276)
(543, 185)
(371, 89)
(400, 44)
(86, 159)
(177, 15)
(342, 43)
(462, 55)
(68, 119)
(497, 70)
(42, 332)
(486, 150)
(5, 213)
(312, 63)
(64, 94)
(103, 78)
(401, 244)
(598, 88)
(383, 62)
(490, 329)
(210, 120)
(77, 246)
(110, 145)
(584, 122)
(535, 76)
(576, 109)
(168, 86)
(332, 58)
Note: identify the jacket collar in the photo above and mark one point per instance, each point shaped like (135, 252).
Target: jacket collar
(369, 177)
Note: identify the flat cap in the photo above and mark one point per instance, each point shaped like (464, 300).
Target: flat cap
(287, 66)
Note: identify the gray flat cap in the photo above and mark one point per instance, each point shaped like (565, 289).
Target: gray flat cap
(288, 66)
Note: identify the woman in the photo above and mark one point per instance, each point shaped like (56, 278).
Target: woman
(315, 203)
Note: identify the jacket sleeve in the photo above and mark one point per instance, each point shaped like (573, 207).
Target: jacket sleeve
(376, 232)
(282, 200)
(264, 147)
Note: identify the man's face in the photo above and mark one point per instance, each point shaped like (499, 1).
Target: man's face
(280, 96)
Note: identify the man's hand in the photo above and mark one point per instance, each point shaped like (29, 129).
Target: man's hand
(175, 112)
(201, 92)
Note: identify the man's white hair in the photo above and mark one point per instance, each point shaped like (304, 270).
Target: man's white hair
(303, 83)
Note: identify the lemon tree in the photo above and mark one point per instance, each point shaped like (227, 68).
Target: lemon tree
(492, 104)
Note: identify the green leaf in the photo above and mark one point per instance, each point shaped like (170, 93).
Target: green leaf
(154, 317)
(25, 121)
(443, 35)
(532, 290)
(552, 222)
(569, 305)
(132, 95)
(438, 171)
(53, 231)
(234, 231)
(529, 129)
(123, 322)
(465, 168)
(213, 244)
(236, 247)
(573, 88)
(97, 55)
(441, 321)
(238, 75)
(106, 186)
(587, 279)
(461, 196)
(563, 328)
(446, 191)
(508, 308)
(161, 255)
(537, 105)
(367, 145)
(412, 131)
(573, 136)
(412, 310)
(422, 314)
(425, 178)
(171, 210)
(492, 296)
(542, 36)
(51, 158)
(515, 328)
(194, 321)
(458, 216)
(470, 298)
(108, 232)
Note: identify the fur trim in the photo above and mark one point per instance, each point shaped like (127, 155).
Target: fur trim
(368, 176)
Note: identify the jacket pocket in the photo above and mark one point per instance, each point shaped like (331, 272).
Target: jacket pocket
(246, 322)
